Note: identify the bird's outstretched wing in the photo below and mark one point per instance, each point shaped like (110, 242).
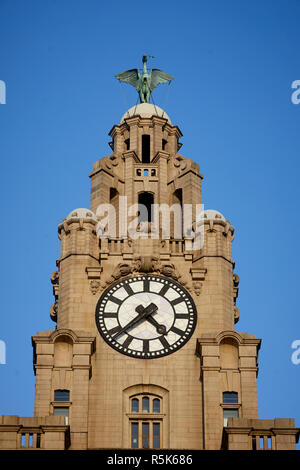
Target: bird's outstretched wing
(130, 76)
(158, 76)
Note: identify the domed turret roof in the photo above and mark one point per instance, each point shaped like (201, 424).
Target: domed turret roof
(145, 110)
(82, 213)
(211, 214)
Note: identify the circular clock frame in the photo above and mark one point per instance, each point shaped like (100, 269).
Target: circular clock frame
(102, 316)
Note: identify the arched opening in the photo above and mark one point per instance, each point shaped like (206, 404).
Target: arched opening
(229, 354)
(177, 215)
(114, 201)
(146, 148)
(146, 201)
(63, 352)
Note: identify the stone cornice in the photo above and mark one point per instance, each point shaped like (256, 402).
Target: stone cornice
(59, 260)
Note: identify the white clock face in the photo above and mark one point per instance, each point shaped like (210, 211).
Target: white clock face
(146, 316)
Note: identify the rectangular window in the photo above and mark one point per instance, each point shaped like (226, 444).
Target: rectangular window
(145, 435)
(230, 397)
(269, 442)
(156, 435)
(62, 411)
(261, 442)
(61, 395)
(134, 435)
(230, 413)
(146, 148)
(38, 441)
(23, 440)
(30, 440)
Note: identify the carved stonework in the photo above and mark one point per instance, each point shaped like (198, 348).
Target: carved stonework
(236, 314)
(147, 264)
(94, 274)
(94, 286)
(197, 287)
(235, 280)
(54, 308)
(53, 312)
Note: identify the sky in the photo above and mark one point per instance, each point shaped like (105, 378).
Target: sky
(234, 63)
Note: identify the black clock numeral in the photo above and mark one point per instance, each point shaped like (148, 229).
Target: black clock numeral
(185, 316)
(114, 330)
(127, 342)
(110, 315)
(177, 331)
(115, 300)
(146, 345)
(164, 342)
(146, 285)
(177, 301)
(128, 289)
(164, 290)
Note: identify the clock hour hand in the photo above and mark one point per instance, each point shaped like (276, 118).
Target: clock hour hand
(161, 329)
(144, 314)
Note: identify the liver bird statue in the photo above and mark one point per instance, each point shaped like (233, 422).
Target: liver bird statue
(145, 82)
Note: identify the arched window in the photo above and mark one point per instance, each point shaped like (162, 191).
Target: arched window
(145, 405)
(146, 421)
(156, 405)
(177, 214)
(135, 405)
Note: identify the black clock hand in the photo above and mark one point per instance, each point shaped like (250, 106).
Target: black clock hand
(161, 329)
(146, 312)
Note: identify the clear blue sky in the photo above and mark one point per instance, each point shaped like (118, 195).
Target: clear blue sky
(233, 62)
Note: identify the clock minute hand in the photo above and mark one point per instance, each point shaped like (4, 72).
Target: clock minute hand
(146, 312)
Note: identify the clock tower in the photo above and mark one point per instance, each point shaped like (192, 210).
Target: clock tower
(145, 351)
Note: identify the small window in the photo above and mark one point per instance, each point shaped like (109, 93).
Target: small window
(153, 172)
(261, 442)
(164, 144)
(30, 443)
(62, 411)
(146, 172)
(23, 440)
(139, 172)
(134, 435)
(145, 404)
(62, 395)
(127, 144)
(230, 397)
(156, 435)
(230, 413)
(156, 405)
(134, 405)
(269, 442)
(38, 441)
(253, 442)
(145, 435)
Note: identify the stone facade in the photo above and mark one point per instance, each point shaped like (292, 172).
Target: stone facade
(206, 390)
